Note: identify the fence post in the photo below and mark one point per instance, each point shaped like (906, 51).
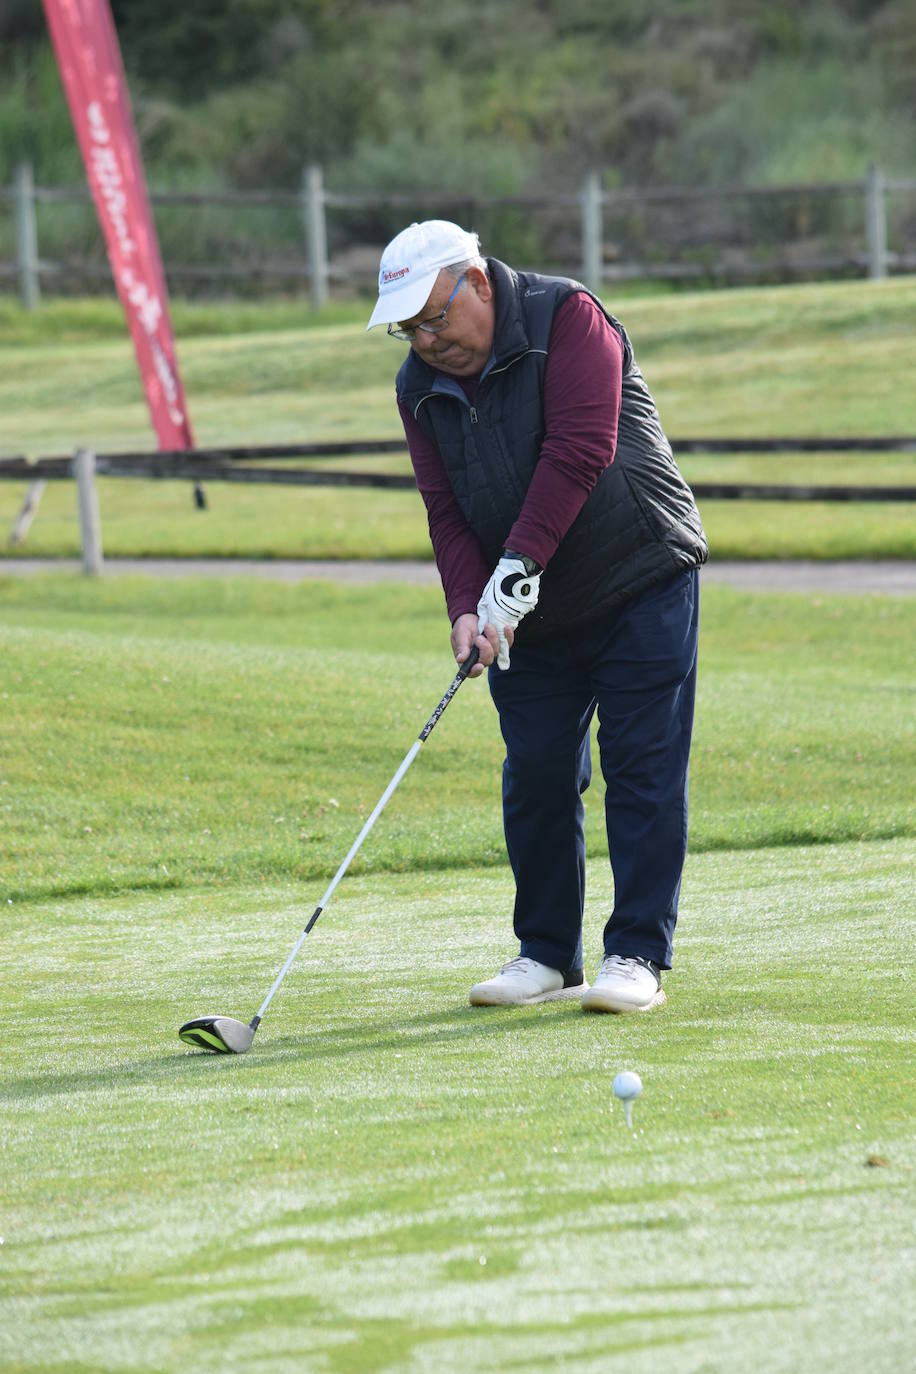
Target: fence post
(875, 222)
(592, 233)
(26, 239)
(316, 238)
(90, 523)
(29, 507)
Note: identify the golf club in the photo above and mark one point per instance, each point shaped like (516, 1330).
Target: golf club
(225, 1035)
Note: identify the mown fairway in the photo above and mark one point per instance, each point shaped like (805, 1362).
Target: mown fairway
(818, 359)
(392, 1180)
(169, 734)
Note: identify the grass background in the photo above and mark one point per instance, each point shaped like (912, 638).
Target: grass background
(392, 1180)
(188, 732)
(815, 359)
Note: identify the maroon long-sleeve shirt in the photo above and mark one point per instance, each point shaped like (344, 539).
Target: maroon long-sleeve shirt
(581, 405)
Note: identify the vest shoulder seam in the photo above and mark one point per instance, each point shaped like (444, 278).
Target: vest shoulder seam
(517, 359)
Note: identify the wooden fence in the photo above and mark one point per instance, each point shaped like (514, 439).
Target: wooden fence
(598, 234)
(230, 464)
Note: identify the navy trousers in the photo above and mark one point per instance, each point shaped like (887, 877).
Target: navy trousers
(637, 668)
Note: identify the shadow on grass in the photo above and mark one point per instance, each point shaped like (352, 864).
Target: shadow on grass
(383, 1343)
(332, 1042)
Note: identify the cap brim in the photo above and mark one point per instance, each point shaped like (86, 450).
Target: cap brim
(405, 302)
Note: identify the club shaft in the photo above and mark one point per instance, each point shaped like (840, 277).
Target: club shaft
(354, 850)
(408, 759)
(282, 974)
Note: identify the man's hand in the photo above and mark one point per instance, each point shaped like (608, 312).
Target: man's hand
(465, 635)
(509, 595)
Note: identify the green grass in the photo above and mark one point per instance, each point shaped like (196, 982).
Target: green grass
(391, 1180)
(150, 519)
(63, 320)
(179, 733)
(394, 1181)
(159, 519)
(822, 359)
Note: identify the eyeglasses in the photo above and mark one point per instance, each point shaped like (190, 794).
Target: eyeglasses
(434, 325)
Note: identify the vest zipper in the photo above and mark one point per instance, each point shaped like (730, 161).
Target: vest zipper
(473, 415)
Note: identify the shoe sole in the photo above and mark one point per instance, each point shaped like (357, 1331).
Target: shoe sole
(595, 1003)
(562, 994)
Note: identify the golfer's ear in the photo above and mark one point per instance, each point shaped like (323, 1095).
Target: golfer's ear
(481, 283)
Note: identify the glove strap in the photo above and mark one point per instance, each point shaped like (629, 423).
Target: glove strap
(531, 567)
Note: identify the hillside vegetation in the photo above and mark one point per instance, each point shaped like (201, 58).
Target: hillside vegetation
(485, 97)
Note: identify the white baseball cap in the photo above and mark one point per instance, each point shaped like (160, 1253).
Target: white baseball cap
(412, 262)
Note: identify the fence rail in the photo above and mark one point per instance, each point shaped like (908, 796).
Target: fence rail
(348, 448)
(599, 234)
(225, 465)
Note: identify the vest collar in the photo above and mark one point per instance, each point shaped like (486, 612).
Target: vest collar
(510, 337)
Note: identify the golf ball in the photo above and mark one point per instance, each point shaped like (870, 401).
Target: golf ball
(627, 1086)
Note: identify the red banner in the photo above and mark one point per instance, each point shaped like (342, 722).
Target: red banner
(90, 64)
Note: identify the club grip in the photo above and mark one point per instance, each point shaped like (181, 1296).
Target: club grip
(465, 667)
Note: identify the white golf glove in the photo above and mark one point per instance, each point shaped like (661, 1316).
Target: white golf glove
(509, 595)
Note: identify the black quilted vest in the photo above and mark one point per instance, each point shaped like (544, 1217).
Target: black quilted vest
(639, 526)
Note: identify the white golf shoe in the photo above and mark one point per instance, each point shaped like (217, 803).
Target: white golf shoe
(522, 982)
(625, 985)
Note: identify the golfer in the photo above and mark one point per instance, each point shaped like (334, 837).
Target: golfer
(568, 545)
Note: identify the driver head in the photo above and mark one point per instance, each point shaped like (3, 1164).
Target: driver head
(219, 1034)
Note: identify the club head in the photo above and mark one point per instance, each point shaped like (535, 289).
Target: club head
(219, 1034)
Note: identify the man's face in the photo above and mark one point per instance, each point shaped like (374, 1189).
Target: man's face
(464, 346)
